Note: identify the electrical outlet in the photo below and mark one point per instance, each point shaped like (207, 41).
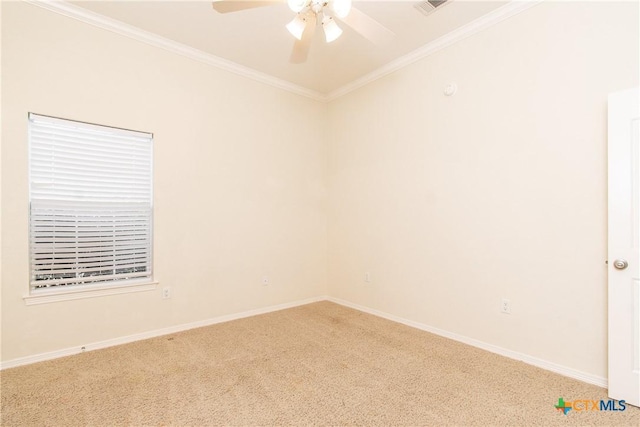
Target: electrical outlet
(367, 277)
(265, 280)
(166, 292)
(505, 307)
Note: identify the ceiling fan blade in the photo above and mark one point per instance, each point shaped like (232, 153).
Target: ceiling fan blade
(301, 47)
(368, 27)
(226, 6)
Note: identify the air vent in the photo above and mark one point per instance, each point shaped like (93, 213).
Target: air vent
(426, 7)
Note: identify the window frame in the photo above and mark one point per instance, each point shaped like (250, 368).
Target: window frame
(98, 288)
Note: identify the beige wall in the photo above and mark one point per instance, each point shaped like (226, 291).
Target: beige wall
(240, 173)
(1, 126)
(452, 203)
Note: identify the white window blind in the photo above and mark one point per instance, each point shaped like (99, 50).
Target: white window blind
(90, 204)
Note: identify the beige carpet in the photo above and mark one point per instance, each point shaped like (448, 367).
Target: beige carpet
(320, 364)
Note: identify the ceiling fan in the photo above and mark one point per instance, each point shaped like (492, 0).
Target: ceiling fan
(311, 12)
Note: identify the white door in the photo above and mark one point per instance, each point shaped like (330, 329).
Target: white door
(624, 246)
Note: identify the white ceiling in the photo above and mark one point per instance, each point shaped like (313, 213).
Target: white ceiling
(257, 38)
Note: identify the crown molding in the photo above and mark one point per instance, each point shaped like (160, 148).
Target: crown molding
(69, 10)
(461, 33)
(83, 15)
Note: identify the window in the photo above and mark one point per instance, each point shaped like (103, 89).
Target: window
(90, 199)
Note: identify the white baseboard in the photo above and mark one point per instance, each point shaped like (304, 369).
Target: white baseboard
(540, 363)
(549, 366)
(152, 334)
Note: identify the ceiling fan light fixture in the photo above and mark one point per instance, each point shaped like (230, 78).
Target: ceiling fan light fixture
(297, 5)
(296, 26)
(331, 29)
(341, 7)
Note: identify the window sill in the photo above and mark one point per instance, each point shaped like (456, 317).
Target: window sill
(47, 296)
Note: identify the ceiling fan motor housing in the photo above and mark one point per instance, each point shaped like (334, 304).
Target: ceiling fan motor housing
(340, 7)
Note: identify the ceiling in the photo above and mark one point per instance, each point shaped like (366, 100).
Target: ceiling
(257, 38)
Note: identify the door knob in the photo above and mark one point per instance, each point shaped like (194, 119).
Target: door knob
(620, 264)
